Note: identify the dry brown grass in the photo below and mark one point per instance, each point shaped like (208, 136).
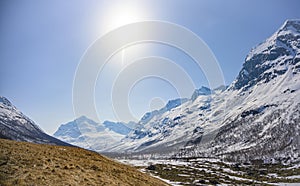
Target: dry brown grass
(23, 163)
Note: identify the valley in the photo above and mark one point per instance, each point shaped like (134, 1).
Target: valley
(206, 171)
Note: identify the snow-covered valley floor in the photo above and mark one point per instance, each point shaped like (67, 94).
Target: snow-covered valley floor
(203, 171)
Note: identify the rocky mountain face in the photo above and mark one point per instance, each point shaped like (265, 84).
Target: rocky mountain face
(266, 122)
(15, 125)
(271, 58)
(256, 117)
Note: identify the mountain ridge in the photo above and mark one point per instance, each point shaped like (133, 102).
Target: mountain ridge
(15, 125)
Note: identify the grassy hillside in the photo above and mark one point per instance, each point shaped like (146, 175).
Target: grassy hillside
(23, 163)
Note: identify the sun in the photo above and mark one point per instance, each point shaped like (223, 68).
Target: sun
(117, 15)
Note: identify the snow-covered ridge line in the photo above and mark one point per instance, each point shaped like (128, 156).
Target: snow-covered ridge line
(16, 126)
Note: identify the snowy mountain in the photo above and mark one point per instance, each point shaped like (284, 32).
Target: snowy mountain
(170, 130)
(256, 117)
(262, 116)
(86, 133)
(15, 125)
(118, 127)
(271, 58)
(201, 91)
(156, 113)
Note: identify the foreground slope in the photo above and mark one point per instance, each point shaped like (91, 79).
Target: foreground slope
(23, 163)
(15, 125)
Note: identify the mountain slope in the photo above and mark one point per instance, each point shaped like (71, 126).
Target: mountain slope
(262, 105)
(24, 163)
(266, 125)
(257, 117)
(156, 113)
(16, 126)
(118, 127)
(272, 57)
(168, 131)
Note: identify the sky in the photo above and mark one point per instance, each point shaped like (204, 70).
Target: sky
(42, 44)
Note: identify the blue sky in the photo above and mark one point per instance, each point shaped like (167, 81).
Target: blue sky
(42, 43)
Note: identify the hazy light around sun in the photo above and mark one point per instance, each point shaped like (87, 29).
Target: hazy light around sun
(120, 14)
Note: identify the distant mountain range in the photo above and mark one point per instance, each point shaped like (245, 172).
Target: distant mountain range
(86, 133)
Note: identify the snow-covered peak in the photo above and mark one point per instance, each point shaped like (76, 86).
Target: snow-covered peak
(173, 104)
(86, 133)
(69, 129)
(220, 89)
(118, 127)
(271, 58)
(201, 91)
(78, 126)
(5, 101)
(291, 24)
(84, 119)
(290, 28)
(169, 106)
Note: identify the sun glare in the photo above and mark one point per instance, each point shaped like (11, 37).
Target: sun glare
(121, 14)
